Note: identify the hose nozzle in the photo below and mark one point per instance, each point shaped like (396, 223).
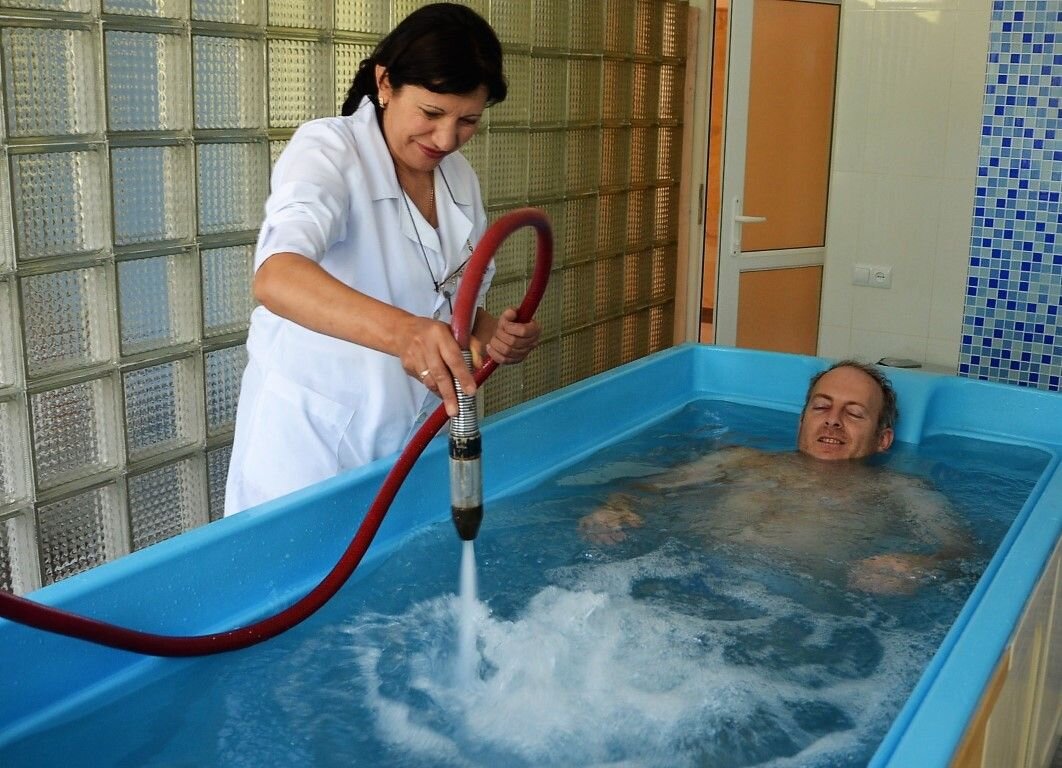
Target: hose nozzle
(466, 475)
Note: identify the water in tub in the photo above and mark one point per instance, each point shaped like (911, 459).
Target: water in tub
(728, 619)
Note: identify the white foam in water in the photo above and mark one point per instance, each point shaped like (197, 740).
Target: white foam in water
(590, 674)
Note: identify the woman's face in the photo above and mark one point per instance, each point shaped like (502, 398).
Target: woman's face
(422, 127)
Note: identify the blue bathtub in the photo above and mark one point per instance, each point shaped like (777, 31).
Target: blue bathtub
(238, 569)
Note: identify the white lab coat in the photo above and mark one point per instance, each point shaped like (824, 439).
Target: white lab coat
(312, 405)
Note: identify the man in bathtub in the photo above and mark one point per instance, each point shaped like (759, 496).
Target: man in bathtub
(821, 505)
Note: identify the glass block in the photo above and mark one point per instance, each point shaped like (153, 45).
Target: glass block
(550, 29)
(547, 163)
(224, 371)
(78, 6)
(608, 287)
(548, 313)
(300, 14)
(372, 17)
(516, 109)
(171, 9)
(348, 57)
(665, 214)
(147, 81)
(217, 475)
(616, 85)
(673, 29)
(227, 298)
(645, 89)
(647, 28)
(549, 101)
(80, 532)
(74, 431)
(402, 8)
(19, 572)
(555, 211)
(668, 153)
(672, 81)
(643, 155)
(641, 204)
(67, 320)
(636, 280)
(229, 79)
(161, 410)
(503, 390)
(541, 374)
(661, 327)
(167, 501)
(512, 21)
(615, 157)
(508, 165)
(618, 35)
(584, 90)
(231, 11)
(275, 148)
(580, 230)
(586, 34)
(233, 180)
(476, 151)
(635, 341)
(662, 273)
(300, 82)
(59, 203)
(583, 160)
(157, 302)
(504, 294)
(7, 239)
(10, 368)
(14, 452)
(607, 345)
(515, 254)
(151, 188)
(577, 295)
(51, 82)
(611, 223)
(576, 350)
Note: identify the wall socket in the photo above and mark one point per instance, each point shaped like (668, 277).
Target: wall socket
(873, 275)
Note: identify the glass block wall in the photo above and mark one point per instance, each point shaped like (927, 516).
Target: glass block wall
(135, 148)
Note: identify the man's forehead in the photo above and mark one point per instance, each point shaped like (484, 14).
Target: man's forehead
(850, 384)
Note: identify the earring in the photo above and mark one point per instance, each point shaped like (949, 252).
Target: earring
(383, 105)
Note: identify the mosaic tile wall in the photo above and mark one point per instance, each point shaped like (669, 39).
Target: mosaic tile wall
(1012, 330)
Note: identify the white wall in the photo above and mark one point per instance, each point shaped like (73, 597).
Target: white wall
(907, 131)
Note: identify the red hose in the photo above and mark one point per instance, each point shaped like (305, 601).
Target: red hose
(62, 622)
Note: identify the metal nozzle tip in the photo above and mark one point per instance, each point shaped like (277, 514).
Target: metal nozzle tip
(467, 521)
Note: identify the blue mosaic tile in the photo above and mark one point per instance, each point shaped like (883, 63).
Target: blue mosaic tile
(1011, 325)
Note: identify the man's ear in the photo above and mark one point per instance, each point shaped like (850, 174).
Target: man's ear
(885, 439)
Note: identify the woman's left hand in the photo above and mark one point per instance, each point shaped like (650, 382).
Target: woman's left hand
(510, 341)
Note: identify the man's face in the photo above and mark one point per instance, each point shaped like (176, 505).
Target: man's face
(840, 420)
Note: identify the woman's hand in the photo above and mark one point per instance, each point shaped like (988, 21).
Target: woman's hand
(503, 338)
(430, 355)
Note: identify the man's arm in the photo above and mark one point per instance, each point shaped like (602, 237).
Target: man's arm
(606, 524)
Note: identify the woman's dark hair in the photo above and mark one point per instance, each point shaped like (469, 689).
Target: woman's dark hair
(444, 47)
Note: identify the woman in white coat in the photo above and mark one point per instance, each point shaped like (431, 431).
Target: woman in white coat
(370, 221)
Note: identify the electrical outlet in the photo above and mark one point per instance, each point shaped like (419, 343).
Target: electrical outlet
(872, 275)
(880, 277)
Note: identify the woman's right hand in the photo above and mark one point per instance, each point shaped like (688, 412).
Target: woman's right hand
(430, 354)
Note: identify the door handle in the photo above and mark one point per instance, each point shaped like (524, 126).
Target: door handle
(740, 219)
